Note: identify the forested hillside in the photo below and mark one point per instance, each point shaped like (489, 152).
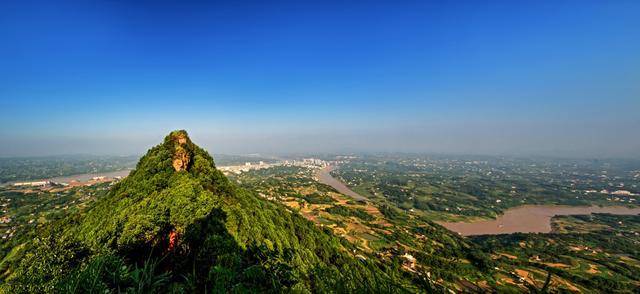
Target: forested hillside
(176, 224)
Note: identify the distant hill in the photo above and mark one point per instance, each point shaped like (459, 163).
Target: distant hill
(177, 224)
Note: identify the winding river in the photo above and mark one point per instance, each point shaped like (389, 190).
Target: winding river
(530, 219)
(88, 176)
(323, 176)
(521, 219)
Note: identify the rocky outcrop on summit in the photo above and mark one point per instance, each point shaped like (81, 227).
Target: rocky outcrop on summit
(181, 154)
(180, 160)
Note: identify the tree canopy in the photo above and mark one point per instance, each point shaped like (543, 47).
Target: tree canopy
(177, 224)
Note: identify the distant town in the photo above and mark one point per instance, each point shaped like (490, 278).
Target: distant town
(248, 166)
(99, 178)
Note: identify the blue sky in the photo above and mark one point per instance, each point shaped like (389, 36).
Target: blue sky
(502, 77)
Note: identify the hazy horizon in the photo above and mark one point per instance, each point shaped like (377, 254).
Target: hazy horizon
(524, 79)
(139, 146)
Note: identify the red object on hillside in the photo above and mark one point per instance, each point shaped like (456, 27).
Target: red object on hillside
(173, 239)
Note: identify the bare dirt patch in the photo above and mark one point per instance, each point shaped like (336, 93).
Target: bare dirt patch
(593, 269)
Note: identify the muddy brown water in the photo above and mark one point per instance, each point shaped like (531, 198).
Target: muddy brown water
(521, 219)
(323, 175)
(88, 176)
(530, 219)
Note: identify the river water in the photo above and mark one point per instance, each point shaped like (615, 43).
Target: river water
(530, 219)
(521, 219)
(89, 176)
(323, 175)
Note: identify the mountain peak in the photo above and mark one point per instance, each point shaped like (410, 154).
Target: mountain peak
(180, 136)
(195, 231)
(182, 149)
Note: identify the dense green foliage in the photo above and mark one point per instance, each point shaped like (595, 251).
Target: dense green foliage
(598, 253)
(347, 211)
(190, 230)
(25, 213)
(176, 224)
(380, 228)
(592, 253)
(317, 198)
(481, 186)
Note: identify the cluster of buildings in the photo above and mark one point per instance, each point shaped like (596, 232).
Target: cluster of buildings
(616, 192)
(33, 184)
(308, 162)
(48, 184)
(247, 166)
(617, 195)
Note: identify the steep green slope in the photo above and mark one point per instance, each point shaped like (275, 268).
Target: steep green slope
(176, 224)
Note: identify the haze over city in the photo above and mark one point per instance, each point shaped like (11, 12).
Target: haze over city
(543, 78)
